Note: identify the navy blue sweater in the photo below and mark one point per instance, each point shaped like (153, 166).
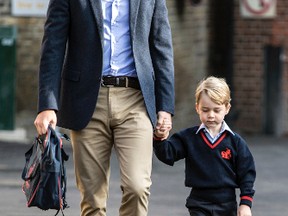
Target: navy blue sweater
(228, 163)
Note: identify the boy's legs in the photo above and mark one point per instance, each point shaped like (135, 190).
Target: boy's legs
(199, 207)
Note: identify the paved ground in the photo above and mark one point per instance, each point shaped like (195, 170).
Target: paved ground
(167, 194)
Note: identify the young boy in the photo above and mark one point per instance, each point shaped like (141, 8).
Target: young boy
(217, 160)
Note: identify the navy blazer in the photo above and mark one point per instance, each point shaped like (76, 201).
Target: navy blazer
(72, 58)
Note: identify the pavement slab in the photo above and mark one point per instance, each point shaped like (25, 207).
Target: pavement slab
(168, 193)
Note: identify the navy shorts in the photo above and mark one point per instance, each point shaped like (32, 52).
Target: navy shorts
(206, 208)
(212, 202)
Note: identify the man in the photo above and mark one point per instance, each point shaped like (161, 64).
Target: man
(106, 73)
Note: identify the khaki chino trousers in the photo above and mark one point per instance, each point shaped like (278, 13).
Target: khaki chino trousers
(120, 121)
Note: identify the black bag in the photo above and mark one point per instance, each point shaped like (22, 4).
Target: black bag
(44, 173)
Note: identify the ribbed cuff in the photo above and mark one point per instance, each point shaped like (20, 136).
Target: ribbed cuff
(246, 200)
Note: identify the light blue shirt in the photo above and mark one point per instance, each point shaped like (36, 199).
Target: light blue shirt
(118, 56)
(212, 139)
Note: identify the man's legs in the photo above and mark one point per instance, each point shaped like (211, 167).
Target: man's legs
(92, 150)
(120, 118)
(133, 134)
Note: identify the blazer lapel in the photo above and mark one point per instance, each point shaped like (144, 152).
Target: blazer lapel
(134, 6)
(97, 11)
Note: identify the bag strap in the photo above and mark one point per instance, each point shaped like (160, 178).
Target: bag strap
(59, 211)
(38, 143)
(27, 156)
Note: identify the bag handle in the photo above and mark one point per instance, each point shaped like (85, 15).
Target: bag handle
(57, 135)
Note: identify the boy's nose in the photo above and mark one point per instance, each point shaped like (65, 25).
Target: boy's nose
(211, 114)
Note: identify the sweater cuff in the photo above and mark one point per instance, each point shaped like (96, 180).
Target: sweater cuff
(156, 138)
(246, 200)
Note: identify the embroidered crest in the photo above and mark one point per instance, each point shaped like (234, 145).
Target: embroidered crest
(226, 154)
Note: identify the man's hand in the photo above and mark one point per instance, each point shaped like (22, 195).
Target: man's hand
(244, 210)
(43, 119)
(164, 125)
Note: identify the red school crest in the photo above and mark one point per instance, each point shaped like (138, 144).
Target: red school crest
(226, 154)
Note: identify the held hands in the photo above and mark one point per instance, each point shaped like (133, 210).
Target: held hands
(43, 119)
(163, 126)
(244, 210)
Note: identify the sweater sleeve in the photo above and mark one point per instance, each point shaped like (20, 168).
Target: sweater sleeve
(170, 150)
(246, 173)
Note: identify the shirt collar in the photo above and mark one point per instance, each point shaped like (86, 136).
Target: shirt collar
(224, 127)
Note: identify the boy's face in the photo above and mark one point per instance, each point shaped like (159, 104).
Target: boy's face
(210, 113)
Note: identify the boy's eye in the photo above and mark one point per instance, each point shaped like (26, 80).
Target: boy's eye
(205, 110)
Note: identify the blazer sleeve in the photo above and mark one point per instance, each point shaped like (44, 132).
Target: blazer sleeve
(160, 41)
(52, 54)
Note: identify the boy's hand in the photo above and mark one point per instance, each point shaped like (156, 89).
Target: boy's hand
(244, 210)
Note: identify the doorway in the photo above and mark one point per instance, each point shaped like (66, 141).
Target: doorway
(221, 31)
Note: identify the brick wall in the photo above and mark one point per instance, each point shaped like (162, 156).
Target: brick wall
(4, 8)
(189, 38)
(251, 36)
(29, 35)
(190, 55)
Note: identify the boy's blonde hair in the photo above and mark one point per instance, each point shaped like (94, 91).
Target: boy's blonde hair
(216, 89)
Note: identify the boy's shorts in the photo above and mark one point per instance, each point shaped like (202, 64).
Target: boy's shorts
(212, 202)
(204, 208)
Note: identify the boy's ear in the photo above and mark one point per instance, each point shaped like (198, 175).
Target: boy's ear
(228, 106)
(197, 108)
